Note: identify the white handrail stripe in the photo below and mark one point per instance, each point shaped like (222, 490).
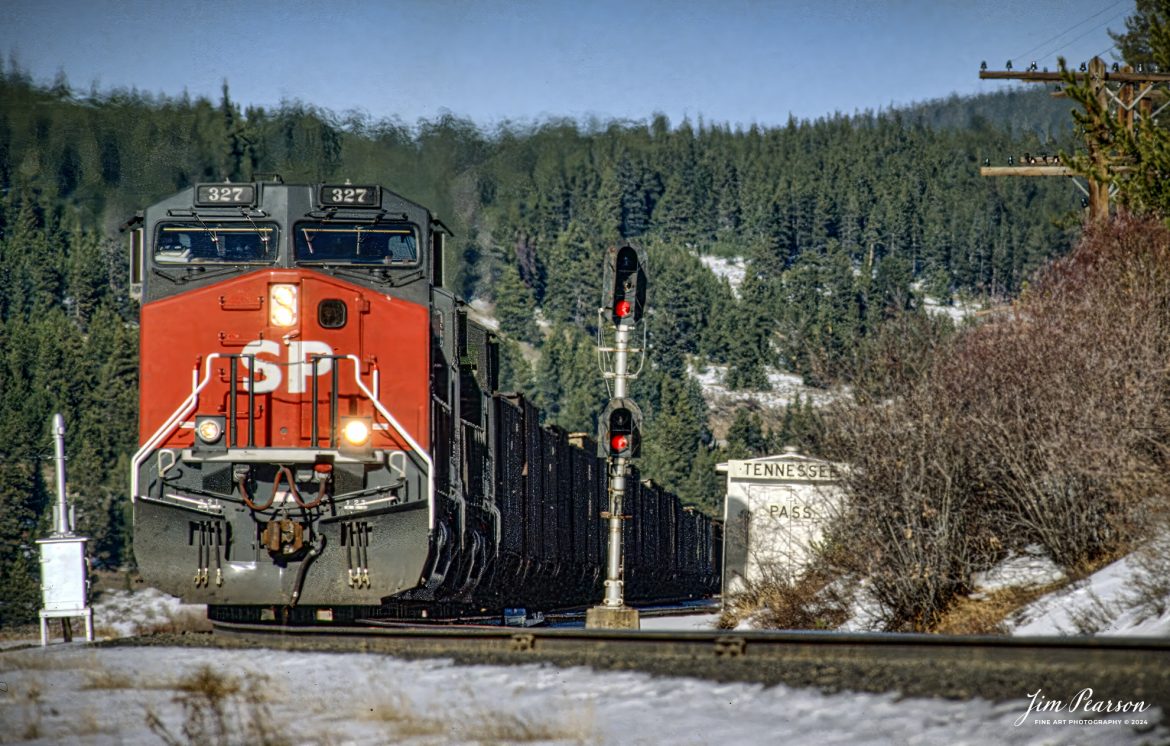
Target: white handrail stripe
(179, 414)
(357, 375)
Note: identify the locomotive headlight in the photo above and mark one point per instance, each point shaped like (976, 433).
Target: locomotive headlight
(356, 432)
(282, 305)
(209, 432)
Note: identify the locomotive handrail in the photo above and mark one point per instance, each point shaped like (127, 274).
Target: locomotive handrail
(192, 401)
(177, 417)
(357, 376)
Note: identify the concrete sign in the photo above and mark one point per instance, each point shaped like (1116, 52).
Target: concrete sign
(775, 512)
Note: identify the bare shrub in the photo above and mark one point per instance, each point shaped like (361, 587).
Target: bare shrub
(914, 525)
(1048, 425)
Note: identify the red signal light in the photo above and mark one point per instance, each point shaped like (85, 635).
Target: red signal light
(619, 442)
(623, 309)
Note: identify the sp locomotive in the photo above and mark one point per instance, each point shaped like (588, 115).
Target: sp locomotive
(322, 437)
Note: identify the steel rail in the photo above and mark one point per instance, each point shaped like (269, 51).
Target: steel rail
(995, 668)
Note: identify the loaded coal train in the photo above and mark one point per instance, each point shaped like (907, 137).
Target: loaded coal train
(322, 438)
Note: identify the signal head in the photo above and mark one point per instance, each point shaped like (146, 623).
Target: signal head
(620, 427)
(624, 284)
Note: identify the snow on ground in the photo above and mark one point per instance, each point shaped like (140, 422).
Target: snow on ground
(1031, 569)
(123, 614)
(1108, 602)
(731, 269)
(958, 311)
(680, 623)
(83, 695)
(69, 694)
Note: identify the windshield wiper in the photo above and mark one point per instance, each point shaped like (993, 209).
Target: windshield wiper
(219, 250)
(262, 234)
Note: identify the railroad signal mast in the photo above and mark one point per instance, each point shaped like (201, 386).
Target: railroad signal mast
(1121, 92)
(620, 427)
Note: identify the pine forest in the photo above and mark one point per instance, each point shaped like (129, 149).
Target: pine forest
(844, 226)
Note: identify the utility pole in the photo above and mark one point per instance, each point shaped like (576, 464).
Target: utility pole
(620, 428)
(1122, 92)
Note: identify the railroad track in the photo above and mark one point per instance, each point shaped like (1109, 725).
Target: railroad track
(994, 668)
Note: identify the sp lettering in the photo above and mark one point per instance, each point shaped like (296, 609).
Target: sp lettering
(269, 372)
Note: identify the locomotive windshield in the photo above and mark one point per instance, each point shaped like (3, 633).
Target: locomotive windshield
(356, 243)
(215, 242)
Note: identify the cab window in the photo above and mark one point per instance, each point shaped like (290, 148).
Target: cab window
(356, 243)
(213, 242)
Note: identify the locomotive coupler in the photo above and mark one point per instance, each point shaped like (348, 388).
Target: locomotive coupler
(284, 537)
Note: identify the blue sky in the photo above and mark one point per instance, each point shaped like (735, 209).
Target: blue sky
(731, 61)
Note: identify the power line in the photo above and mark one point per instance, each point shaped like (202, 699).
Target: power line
(1046, 42)
(1109, 48)
(1082, 36)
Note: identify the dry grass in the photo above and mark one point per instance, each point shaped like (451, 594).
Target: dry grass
(986, 615)
(219, 710)
(400, 713)
(24, 716)
(39, 660)
(19, 632)
(107, 679)
(811, 601)
(481, 725)
(492, 726)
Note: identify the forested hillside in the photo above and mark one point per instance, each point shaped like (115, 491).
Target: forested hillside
(844, 224)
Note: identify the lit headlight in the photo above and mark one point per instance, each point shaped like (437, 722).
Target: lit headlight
(356, 432)
(210, 431)
(282, 306)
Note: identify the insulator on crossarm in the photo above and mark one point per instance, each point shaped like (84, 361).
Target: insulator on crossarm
(983, 65)
(1008, 65)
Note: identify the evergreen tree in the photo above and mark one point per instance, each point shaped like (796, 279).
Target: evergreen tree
(745, 437)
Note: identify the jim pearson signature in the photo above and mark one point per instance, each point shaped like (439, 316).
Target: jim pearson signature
(1082, 702)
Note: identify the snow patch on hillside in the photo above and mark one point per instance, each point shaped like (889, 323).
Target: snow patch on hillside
(1126, 598)
(958, 311)
(731, 269)
(786, 388)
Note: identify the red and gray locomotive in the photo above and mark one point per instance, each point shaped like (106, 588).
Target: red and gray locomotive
(322, 437)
